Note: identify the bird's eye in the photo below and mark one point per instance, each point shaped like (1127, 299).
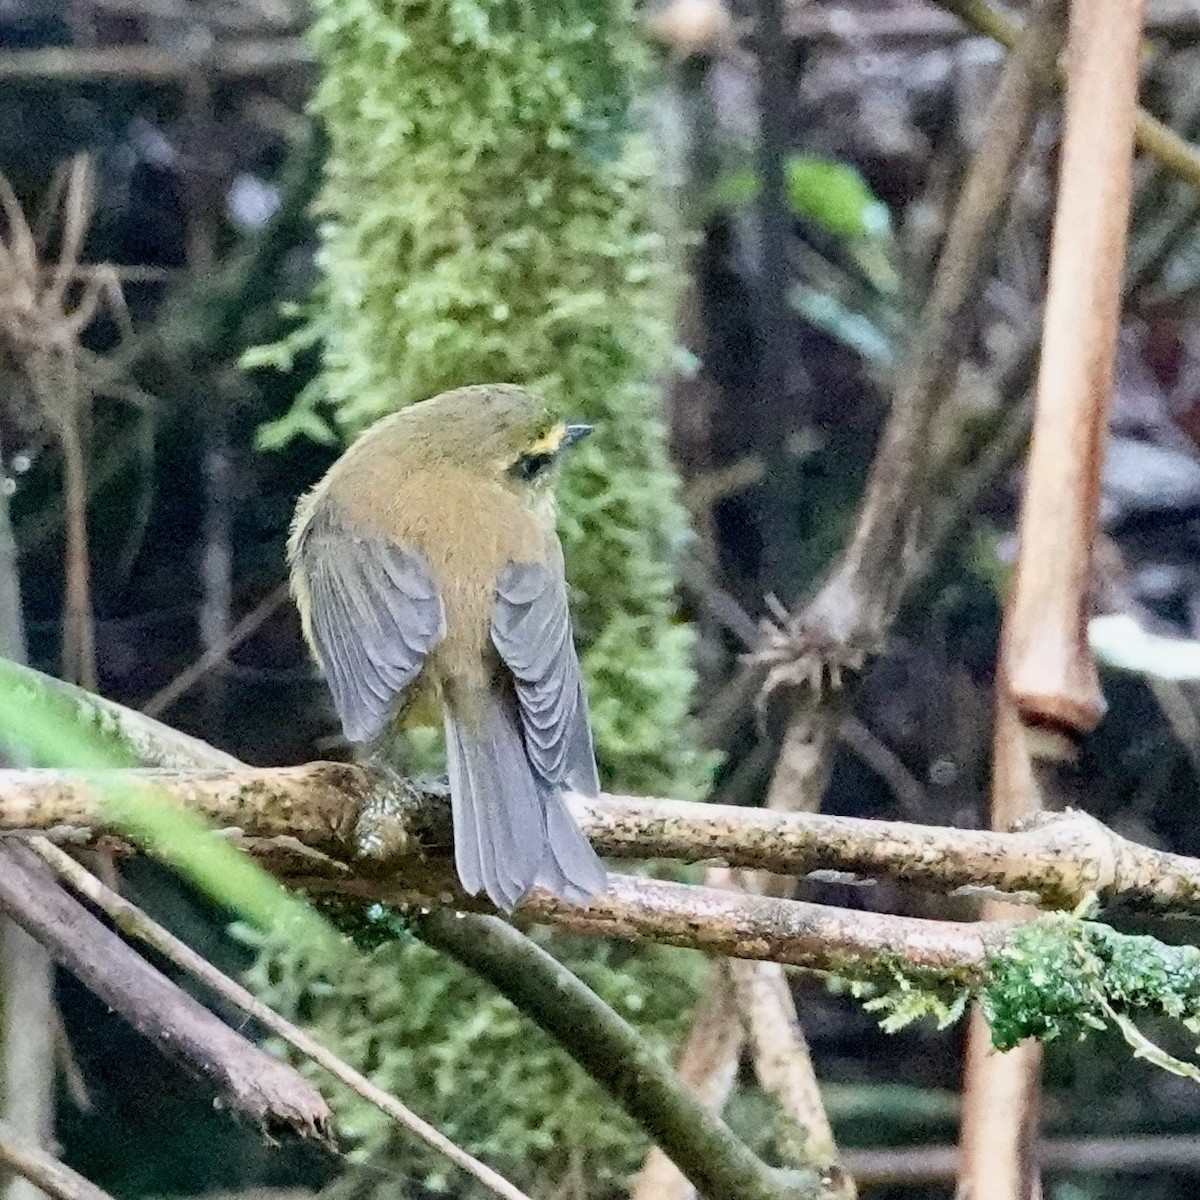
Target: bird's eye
(529, 466)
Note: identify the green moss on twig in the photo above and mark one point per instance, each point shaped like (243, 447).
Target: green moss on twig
(1062, 976)
(1057, 976)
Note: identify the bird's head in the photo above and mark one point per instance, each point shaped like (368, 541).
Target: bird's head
(498, 432)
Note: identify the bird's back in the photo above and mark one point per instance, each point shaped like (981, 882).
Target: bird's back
(467, 529)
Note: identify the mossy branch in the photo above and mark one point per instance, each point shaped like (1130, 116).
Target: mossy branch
(337, 829)
(342, 820)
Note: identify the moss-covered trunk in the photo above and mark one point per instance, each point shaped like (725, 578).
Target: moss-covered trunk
(489, 214)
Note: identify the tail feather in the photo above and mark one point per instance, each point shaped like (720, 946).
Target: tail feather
(510, 831)
(570, 868)
(499, 827)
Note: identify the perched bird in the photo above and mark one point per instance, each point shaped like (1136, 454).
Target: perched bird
(429, 579)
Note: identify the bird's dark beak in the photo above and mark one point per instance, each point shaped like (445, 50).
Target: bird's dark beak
(575, 433)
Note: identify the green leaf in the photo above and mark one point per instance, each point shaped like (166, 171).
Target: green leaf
(829, 193)
(835, 196)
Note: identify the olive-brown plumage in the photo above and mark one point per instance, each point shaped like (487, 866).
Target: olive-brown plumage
(429, 579)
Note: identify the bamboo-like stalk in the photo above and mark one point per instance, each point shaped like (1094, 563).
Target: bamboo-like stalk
(1047, 675)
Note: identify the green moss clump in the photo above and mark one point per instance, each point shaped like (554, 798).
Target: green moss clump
(489, 215)
(1062, 976)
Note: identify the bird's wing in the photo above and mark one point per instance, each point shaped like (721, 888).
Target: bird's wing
(374, 615)
(531, 629)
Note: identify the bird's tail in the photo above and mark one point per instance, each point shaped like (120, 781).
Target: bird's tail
(570, 868)
(510, 830)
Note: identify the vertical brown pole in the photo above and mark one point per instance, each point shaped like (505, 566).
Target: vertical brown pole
(1047, 675)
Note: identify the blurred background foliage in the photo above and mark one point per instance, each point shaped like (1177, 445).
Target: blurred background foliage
(368, 201)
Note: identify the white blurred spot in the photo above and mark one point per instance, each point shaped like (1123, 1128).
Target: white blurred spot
(251, 202)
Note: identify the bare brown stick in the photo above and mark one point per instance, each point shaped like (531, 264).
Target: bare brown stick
(28, 1081)
(998, 1157)
(248, 1080)
(81, 64)
(44, 1170)
(27, 1072)
(1047, 675)
(1051, 672)
(339, 812)
(1152, 136)
(776, 1042)
(913, 1165)
(79, 626)
(856, 604)
(187, 679)
(133, 922)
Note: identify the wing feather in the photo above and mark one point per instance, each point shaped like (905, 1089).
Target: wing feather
(374, 615)
(531, 630)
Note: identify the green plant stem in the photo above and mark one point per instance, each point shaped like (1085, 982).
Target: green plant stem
(720, 1165)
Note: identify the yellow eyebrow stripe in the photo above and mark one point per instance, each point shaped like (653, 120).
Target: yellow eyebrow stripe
(551, 441)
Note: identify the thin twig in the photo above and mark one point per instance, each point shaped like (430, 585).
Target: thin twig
(145, 64)
(887, 764)
(133, 922)
(167, 696)
(1152, 136)
(29, 1014)
(44, 1170)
